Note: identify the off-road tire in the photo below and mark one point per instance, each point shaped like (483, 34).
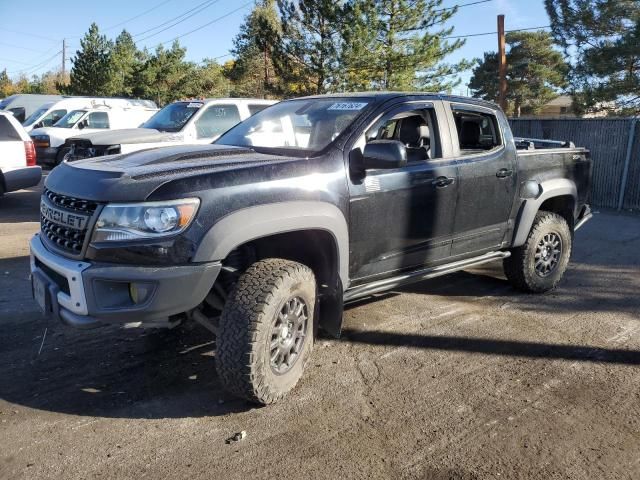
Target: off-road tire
(520, 267)
(243, 357)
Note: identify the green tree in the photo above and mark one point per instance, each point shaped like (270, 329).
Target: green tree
(166, 76)
(535, 72)
(253, 72)
(6, 85)
(92, 67)
(125, 60)
(603, 39)
(307, 55)
(400, 45)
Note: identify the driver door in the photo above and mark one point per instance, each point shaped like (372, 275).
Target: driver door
(402, 218)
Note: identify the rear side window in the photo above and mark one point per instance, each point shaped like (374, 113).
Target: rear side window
(253, 109)
(216, 120)
(477, 131)
(97, 120)
(7, 132)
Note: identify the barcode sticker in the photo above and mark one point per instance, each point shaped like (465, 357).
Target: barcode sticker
(347, 106)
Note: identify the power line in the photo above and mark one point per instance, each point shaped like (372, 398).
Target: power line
(189, 13)
(20, 47)
(138, 16)
(463, 5)
(209, 23)
(495, 33)
(30, 35)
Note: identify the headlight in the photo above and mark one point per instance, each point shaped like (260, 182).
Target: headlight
(134, 221)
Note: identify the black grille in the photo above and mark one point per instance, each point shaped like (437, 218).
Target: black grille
(63, 237)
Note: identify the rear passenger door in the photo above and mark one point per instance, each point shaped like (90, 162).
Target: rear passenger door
(487, 172)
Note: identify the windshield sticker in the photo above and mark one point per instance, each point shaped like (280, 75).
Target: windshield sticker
(195, 105)
(347, 106)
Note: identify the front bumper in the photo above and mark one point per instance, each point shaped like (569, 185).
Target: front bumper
(21, 178)
(85, 294)
(46, 155)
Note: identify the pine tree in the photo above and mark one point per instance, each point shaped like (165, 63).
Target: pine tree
(125, 59)
(307, 56)
(535, 72)
(252, 72)
(603, 38)
(92, 68)
(399, 45)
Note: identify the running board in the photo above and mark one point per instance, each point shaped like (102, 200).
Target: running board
(423, 274)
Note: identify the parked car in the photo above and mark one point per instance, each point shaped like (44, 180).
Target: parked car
(307, 205)
(191, 121)
(97, 115)
(49, 113)
(18, 167)
(23, 105)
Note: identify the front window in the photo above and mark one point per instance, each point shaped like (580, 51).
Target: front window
(302, 127)
(216, 119)
(173, 117)
(70, 119)
(46, 121)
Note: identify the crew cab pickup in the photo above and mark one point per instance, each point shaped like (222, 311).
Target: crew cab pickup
(193, 122)
(306, 205)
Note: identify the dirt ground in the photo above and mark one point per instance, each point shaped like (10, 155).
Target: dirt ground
(460, 377)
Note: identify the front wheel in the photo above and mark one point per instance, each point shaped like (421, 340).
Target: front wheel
(539, 264)
(266, 330)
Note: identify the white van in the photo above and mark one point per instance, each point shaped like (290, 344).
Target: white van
(97, 115)
(49, 113)
(22, 105)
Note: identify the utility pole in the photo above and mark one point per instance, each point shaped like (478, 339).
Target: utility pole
(64, 58)
(502, 65)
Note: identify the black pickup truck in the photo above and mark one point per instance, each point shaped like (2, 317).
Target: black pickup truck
(309, 204)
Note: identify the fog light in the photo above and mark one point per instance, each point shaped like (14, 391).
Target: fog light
(139, 292)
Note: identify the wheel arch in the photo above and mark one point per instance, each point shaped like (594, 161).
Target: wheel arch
(557, 195)
(296, 231)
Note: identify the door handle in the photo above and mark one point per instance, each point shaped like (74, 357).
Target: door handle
(504, 172)
(442, 182)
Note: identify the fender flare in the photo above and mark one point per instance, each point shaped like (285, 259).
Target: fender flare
(251, 223)
(530, 207)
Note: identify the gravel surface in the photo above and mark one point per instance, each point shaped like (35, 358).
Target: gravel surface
(460, 377)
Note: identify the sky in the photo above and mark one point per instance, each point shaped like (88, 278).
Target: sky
(31, 43)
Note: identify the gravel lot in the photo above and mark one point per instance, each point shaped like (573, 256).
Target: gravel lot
(457, 377)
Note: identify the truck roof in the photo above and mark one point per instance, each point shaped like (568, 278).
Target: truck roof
(381, 97)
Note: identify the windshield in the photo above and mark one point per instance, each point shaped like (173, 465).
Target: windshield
(304, 126)
(70, 119)
(173, 117)
(34, 116)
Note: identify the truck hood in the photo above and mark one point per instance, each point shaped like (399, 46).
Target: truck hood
(129, 136)
(135, 176)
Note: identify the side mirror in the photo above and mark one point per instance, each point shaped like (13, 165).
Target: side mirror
(82, 125)
(384, 154)
(39, 125)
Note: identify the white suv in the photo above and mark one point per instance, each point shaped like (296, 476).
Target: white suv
(18, 167)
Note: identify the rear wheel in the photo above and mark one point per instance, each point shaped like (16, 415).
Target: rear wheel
(265, 334)
(539, 264)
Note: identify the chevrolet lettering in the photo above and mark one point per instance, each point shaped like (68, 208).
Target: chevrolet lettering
(67, 219)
